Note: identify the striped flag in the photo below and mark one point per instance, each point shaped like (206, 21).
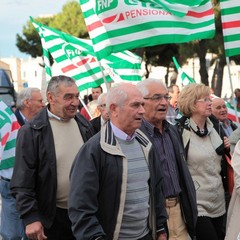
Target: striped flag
(230, 14)
(46, 56)
(8, 134)
(232, 113)
(76, 59)
(176, 7)
(116, 25)
(185, 79)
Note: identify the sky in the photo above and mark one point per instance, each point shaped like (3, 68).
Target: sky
(14, 14)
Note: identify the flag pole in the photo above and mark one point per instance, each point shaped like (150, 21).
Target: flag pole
(86, 108)
(104, 79)
(230, 78)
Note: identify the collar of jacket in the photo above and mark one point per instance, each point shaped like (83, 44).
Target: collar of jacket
(214, 136)
(42, 119)
(109, 143)
(152, 129)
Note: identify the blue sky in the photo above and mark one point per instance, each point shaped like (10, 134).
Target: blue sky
(14, 14)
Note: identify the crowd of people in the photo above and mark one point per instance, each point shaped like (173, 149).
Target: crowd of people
(142, 161)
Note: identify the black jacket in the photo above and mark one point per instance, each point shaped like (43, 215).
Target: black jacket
(218, 126)
(34, 180)
(224, 164)
(97, 193)
(188, 193)
(96, 123)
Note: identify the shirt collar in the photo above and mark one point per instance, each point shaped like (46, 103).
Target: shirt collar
(102, 121)
(227, 124)
(120, 134)
(51, 115)
(149, 127)
(23, 117)
(152, 129)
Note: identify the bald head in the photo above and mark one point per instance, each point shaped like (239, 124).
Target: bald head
(219, 109)
(125, 106)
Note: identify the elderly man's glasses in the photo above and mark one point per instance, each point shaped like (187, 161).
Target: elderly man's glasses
(158, 97)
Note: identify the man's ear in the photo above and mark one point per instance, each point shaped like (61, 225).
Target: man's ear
(113, 109)
(50, 97)
(27, 102)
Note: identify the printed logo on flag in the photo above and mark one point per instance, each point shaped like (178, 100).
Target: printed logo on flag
(71, 51)
(105, 5)
(145, 3)
(114, 18)
(77, 56)
(137, 12)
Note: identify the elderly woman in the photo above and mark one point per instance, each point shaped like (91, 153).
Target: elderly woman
(204, 149)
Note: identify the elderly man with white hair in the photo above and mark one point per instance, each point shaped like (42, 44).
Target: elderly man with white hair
(220, 112)
(29, 103)
(99, 121)
(115, 183)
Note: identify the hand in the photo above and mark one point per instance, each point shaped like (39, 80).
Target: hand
(35, 231)
(226, 142)
(162, 236)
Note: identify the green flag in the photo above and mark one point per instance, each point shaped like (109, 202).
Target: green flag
(176, 7)
(117, 25)
(9, 127)
(76, 58)
(184, 77)
(230, 14)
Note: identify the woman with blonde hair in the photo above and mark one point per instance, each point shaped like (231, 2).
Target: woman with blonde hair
(204, 149)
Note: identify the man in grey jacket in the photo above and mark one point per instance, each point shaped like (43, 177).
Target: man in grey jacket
(115, 192)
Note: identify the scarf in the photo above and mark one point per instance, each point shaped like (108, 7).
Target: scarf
(189, 125)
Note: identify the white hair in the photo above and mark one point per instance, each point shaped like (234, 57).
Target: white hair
(143, 85)
(25, 94)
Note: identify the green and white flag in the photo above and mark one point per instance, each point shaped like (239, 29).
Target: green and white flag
(117, 25)
(176, 7)
(9, 127)
(46, 56)
(185, 79)
(76, 58)
(230, 14)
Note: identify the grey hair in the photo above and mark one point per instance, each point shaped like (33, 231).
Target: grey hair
(100, 98)
(23, 95)
(116, 95)
(143, 85)
(56, 81)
